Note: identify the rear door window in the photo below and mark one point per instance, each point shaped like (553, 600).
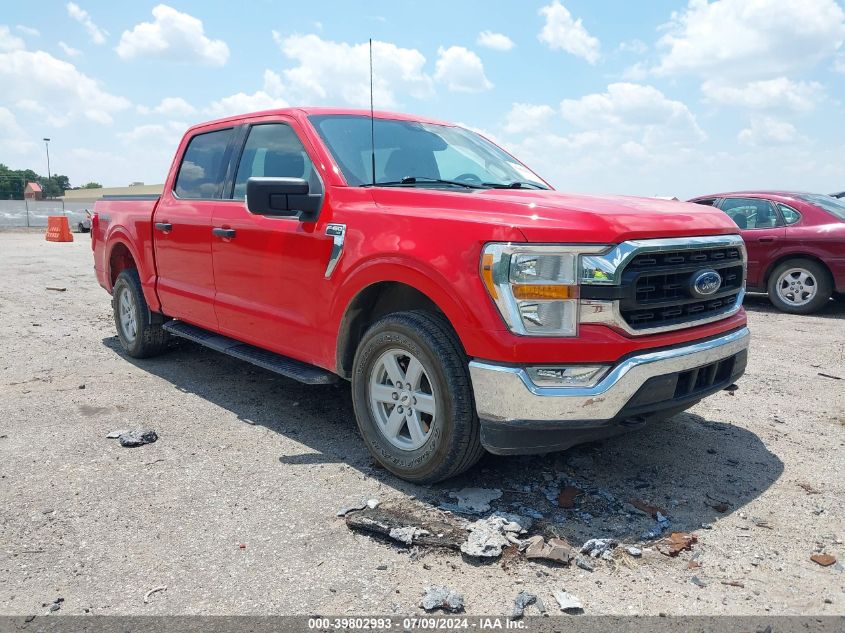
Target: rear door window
(790, 215)
(203, 167)
(751, 213)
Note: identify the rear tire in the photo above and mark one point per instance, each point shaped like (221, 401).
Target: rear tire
(138, 329)
(800, 286)
(428, 431)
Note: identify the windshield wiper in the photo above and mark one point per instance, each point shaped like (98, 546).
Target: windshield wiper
(516, 184)
(413, 180)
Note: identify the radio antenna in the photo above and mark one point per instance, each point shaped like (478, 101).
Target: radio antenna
(372, 118)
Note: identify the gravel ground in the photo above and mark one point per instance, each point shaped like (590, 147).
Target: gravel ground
(233, 508)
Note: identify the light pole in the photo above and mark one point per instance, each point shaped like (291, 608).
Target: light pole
(47, 146)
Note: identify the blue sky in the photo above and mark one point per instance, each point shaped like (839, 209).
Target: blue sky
(648, 98)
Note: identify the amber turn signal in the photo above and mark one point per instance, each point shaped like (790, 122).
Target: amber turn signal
(540, 292)
(487, 275)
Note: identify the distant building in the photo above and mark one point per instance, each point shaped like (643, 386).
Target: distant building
(33, 191)
(90, 195)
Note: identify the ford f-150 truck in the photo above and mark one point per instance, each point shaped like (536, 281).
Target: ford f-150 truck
(470, 304)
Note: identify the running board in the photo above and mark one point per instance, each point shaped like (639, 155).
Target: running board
(303, 372)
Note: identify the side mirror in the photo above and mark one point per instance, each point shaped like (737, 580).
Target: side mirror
(283, 197)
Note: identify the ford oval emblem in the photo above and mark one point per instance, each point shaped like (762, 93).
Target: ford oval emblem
(705, 283)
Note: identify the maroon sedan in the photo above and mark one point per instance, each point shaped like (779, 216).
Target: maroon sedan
(795, 243)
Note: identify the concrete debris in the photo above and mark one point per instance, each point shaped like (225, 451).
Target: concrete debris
(523, 600)
(596, 547)
(442, 598)
(407, 535)
(475, 500)
(556, 550)
(488, 536)
(373, 503)
(116, 434)
(486, 539)
(138, 437)
(636, 552)
(584, 564)
(567, 602)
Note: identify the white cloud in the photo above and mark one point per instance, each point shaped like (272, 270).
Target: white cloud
(772, 94)
(332, 72)
(97, 35)
(526, 117)
(172, 35)
(635, 110)
(561, 32)
(269, 98)
(768, 130)
(496, 41)
(169, 106)
(9, 42)
(28, 30)
(635, 46)
(70, 51)
(839, 63)
(461, 70)
(12, 136)
(155, 134)
(38, 76)
(764, 38)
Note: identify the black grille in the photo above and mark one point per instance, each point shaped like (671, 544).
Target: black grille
(657, 286)
(703, 378)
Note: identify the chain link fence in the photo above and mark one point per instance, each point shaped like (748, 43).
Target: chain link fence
(17, 213)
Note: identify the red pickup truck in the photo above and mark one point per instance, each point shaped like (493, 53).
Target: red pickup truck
(471, 306)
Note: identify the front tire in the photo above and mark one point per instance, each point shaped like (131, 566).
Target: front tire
(800, 286)
(138, 329)
(413, 398)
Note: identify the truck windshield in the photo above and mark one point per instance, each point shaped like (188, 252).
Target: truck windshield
(416, 154)
(828, 203)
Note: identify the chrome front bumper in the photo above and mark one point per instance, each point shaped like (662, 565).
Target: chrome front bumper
(506, 394)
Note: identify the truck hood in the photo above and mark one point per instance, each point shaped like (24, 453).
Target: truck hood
(553, 216)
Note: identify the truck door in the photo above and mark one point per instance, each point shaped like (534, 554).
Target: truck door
(182, 228)
(762, 229)
(269, 271)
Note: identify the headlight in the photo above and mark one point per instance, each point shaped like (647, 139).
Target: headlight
(535, 287)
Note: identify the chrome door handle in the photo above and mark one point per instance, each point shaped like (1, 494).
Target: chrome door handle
(225, 233)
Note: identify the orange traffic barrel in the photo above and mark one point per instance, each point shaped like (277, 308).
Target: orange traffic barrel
(58, 229)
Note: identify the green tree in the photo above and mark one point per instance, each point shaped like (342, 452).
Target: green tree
(92, 185)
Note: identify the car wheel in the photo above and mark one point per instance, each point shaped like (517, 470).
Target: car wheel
(138, 329)
(800, 286)
(413, 398)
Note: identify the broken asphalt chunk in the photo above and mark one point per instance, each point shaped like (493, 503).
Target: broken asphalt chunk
(521, 602)
(442, 598)
(138, 437)
(596, 547)
(402, 521)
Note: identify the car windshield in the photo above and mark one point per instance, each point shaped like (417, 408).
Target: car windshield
(415, 154)
(829, 204)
